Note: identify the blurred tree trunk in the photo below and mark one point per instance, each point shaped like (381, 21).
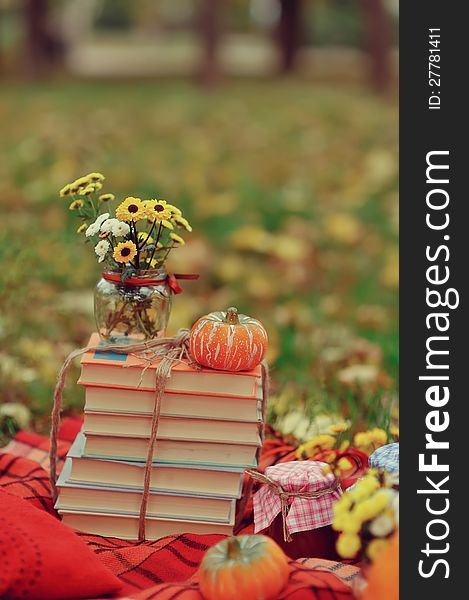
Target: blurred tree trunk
(289, 33)
(36, 38)
(1, 57)
(378, 43)
(211, 32)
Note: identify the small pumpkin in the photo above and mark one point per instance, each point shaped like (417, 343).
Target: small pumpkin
(245, 567)
(228, 341)
(383, 575)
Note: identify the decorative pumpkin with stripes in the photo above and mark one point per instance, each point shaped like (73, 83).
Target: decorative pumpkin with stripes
(228, 341)
(245, 567)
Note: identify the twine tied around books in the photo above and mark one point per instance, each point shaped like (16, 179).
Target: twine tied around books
(171, 350)
(285, 496)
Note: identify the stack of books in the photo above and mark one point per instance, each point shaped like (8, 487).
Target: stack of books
(209, 431)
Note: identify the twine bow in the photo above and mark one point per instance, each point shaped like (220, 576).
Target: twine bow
(171, 351)
(285, 496)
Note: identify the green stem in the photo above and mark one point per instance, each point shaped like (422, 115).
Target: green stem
(156, 244)
(232, 316)
(137, 258)
(94, 206)
(233, 548)
(149, 233)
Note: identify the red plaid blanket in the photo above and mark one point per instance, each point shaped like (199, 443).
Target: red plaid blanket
(149, 569)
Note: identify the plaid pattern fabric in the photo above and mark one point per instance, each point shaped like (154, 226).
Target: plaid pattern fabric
(141, 565)
(386, 457)
(305, 513)
(25, 478)
(36, 447)
(151, 569)
(309, 579)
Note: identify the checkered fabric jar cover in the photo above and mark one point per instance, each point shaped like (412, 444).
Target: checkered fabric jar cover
(304, 514)
(386, 457)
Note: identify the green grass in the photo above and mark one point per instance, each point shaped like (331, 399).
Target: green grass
(313, 167)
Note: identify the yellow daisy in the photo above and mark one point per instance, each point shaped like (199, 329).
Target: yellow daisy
(131, 209)
(321, 442)
(76, 204)
(95, 177)
(83, 227)
(78, 184)
(180, 220)
(65, 191)
(106, 197)
(124, 252)
(174, 210)
(89, 189)
(157, 210)
(177, 238)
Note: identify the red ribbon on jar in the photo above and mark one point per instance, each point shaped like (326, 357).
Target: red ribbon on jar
(169, 279)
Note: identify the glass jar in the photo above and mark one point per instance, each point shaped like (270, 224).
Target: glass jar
(135, 310)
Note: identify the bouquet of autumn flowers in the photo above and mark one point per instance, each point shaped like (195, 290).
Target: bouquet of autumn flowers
(133, 297)
(137, 238)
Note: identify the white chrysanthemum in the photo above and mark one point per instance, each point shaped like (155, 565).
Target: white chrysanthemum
(101, 218)
(92, 229)
(119, 228)
(108, 224)
(101, 249)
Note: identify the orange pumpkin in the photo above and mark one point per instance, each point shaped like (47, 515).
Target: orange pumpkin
(246, 567)
(228, 341)
(383, 575)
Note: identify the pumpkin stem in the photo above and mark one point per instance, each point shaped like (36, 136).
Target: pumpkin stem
(233, 548)
(231, 316)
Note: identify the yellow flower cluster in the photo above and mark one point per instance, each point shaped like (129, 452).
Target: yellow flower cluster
(367, 506)
(84, 186)
(317, 444)
(325, 441)
(157, 212)
(369, 441)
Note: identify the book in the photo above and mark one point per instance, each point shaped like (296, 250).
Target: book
(223, 482)
(169, 451)
(172, 428)
(102, 398)
(81, 497)
(126, 526)
(117, 370)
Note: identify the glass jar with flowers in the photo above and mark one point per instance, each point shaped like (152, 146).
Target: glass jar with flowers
(133, 297)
